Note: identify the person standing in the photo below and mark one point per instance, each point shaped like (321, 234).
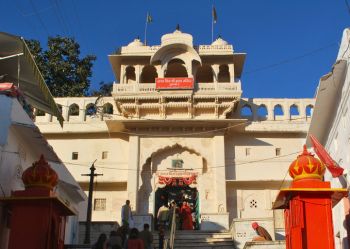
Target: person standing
(186, 213)
(161, 236)
(146, 236)
(163, 215)
(126, 214)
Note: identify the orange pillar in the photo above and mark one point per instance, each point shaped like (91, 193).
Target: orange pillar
(308, 205)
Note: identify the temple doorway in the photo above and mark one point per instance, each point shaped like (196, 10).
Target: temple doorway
(179, 194)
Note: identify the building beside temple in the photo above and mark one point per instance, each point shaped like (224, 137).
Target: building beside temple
(177, 126)
(330, 125)
(21, 142)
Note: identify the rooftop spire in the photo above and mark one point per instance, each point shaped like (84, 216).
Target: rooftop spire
(178, 27)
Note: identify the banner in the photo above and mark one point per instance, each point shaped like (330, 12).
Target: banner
(174, 83)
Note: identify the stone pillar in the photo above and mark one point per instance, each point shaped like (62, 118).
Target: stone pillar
(220, 172)
(270, 114)
(138, 73)
(82, 111)
(254, 112)
(216, 72)
(160, 71)
(286, 111)
(231, 70)
(302, 109)
(133, 172)
(122, 74)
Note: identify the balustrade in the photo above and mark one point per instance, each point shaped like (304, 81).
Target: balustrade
(151, 87)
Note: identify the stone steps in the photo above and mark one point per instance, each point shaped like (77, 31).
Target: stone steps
(199, 240)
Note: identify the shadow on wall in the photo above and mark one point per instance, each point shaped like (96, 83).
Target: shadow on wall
(211, 226)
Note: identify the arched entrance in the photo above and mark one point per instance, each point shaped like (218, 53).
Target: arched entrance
(179, 194)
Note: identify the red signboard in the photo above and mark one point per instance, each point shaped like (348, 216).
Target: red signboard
(174, 83)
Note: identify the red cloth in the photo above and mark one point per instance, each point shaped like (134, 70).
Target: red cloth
(331, 165)
(187, 223)
(135, 244)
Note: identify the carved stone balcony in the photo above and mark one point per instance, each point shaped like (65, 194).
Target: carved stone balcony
(229, 88)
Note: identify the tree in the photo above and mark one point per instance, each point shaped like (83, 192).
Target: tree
(104, 90)
(65, 73)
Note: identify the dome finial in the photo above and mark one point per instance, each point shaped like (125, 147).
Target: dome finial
(178, 27)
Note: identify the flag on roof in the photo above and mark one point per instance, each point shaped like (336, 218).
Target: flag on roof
(149, 18)
(215, 16)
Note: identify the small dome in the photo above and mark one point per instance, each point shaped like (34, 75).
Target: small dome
(177, 37)
(306, 166)
(40, 174)
(135, 43)
(219, 41)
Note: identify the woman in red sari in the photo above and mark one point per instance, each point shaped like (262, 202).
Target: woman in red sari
(186, 213)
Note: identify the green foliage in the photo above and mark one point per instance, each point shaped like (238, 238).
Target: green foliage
(65, 73)
(104, 90)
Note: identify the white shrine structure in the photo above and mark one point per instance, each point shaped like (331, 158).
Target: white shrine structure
(176, 126)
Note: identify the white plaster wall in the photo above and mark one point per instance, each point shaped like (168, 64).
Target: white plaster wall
(338, 145)
(262, 163)
(114, 168)
(115, 199)
(16, 155)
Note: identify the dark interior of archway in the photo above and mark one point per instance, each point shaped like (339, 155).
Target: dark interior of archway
(178, 194)
(176, 68)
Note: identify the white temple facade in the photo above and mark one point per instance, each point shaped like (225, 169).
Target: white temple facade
(176, 126)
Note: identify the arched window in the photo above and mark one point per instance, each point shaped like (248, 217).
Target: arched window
(277, 111)
(176, 68)
(130, 75)
(108, 108)
(262, 112)
(246, 112)
(224, 74)
(90, 109)
(309, 110)
(73, 110)
(148, 74)
(205, 74)
(293, 110)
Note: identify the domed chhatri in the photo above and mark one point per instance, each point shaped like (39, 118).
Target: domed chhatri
(136, 43)
(40, 174)
(306, 166)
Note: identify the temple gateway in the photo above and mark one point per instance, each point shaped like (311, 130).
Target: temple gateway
(177, 126)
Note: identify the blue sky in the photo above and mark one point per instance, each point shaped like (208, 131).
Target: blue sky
(303, 35)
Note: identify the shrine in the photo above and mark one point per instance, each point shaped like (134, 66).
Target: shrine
(307, 205)
(37, 216)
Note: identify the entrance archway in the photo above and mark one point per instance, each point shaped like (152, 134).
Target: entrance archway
(178, 194)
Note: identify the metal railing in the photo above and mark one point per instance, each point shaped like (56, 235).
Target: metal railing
(169, 243)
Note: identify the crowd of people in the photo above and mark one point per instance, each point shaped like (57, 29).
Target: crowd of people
(126, 239)
(184, 216)
(129, 237)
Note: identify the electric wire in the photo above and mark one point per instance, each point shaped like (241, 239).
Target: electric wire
(39, 17)
(285, 61)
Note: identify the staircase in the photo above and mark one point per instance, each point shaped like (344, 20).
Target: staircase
(199, 240)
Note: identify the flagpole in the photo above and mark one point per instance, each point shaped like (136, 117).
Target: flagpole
(212, 23)
(146, 29)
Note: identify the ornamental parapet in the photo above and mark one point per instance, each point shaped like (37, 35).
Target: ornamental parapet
(261, 114)
(199, 87)
(201, 49)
